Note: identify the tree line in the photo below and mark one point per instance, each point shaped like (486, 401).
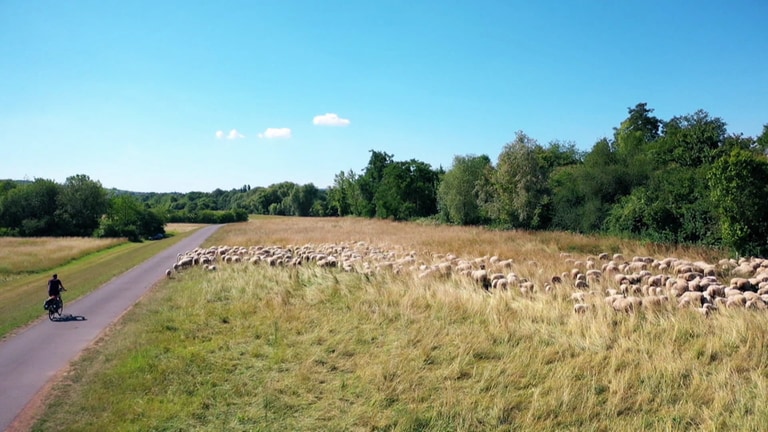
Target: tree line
(685, 180)
(81, 207)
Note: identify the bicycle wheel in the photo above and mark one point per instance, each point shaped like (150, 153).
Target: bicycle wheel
(55, 309)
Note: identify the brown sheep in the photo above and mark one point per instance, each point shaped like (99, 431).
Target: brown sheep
(580, 308)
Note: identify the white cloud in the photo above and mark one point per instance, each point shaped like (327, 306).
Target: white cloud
(330, 119)
(233, 134)
(276, 133)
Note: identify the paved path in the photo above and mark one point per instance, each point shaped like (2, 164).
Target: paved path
(32, 357)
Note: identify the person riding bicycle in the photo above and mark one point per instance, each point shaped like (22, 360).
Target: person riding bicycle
(55, 287)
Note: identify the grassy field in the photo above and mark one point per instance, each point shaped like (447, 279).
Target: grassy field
(20, 256)
(83, 264)
(254, 347)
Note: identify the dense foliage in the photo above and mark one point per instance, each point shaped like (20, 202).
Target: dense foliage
(682, 180)
(80, 207)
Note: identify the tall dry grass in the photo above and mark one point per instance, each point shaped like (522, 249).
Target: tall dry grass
(27, 255)
(23, 255)
(267, 348)
(470, 242)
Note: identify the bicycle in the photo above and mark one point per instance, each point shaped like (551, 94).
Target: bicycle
(54, 306)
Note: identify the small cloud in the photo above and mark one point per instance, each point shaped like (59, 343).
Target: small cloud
(330, 119)
(233, 134)
(276, 133)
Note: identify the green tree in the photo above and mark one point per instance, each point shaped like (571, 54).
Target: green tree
(739, 184)
(761, 141)
(368, 183)
(81, 204)
(407, 189)
(458, 194)
(5, 186)
(691, 141)
(343, 196)
(558, 154)
(674, 207)
(637, 130)
(302, 198)
(28, 210)
(519, 184)
(127, 217)
(584, 193)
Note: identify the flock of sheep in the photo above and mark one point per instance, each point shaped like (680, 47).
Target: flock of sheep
(623, 285)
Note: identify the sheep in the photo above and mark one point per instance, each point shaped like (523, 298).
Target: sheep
(736, 301)
(706, 309)
(653, 302)
(578, 297)
(692, 297)
(580, 308)
(640, 283)
(481, 277)
(580, 284)
(627, 304)
(501, 284)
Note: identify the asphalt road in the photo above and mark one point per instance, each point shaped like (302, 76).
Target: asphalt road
(29, 359)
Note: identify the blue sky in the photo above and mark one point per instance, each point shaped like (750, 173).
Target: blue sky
(164, 96)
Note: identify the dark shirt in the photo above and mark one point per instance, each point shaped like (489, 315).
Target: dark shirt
(54, 287)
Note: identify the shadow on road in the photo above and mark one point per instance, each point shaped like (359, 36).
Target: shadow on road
(68, 317)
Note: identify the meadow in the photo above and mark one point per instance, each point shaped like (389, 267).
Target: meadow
(82, 263)
(20, 256)
(259, 347)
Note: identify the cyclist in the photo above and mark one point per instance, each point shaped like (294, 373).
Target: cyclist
(55, 287)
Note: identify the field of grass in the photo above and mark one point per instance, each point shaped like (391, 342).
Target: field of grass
(83, 264)
(20, 256)
(252, 347)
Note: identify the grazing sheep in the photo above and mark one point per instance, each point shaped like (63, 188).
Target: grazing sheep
(736, 301)
(627, 304)
(695, 298)
(501, 284)
(581, 284)
(706, 309)
(481, 277)
(578, 297)
(526, 288)
(580, 308)
(640, 283)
